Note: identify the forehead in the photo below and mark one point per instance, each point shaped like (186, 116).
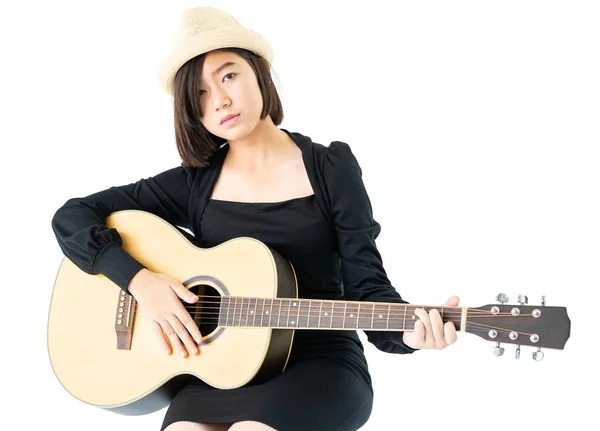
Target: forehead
(216, 61)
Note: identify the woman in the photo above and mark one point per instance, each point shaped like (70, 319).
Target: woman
(243, 176)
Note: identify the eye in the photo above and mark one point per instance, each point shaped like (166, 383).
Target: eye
(232, 75)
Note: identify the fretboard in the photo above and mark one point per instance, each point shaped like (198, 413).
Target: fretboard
(324, 314)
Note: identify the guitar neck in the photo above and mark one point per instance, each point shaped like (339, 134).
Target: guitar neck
(294, 313)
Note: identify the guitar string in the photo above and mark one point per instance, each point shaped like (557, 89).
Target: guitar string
(296, 316)
(446, 308)
(473, 327)
(338, 314)
(395, 314)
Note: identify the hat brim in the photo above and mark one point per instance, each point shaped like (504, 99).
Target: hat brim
(208, 41)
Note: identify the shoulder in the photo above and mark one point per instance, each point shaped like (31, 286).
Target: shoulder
(329, 159)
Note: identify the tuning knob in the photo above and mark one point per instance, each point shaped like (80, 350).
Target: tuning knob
(498, 351)
(538, 355)
(543, 300)
(522, 299)
(502, 298)
(518, 352)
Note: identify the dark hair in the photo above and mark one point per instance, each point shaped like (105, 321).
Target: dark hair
(195, 144)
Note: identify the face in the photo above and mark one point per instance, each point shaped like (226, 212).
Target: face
(229, 89)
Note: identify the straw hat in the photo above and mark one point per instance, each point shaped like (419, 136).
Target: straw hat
(203, 29)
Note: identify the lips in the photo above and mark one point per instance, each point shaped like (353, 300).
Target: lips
(229, 117)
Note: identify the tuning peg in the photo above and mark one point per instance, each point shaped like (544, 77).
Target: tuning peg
(543, 300)
(502, 298)
(498, 351)
(522, 299)
(518, 352)
(538, 355)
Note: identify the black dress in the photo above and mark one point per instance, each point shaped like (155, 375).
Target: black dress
(328, 237)
(326, 385)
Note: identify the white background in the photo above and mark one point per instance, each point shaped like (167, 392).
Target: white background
(476, 124)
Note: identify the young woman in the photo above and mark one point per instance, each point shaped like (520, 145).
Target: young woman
(241, 175)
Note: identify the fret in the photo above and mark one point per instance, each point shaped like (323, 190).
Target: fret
(309, 316)
(396, 319)
(365, 321)
(303, 313)
(345, 310)
(358, 316)
(320, 313)
(260, 310)
(315, 314)
(235, 317)
(326, 314)
(298, 316)
(241, 314)
(380, 317)
(241, 317)
(274, 313)
(253, 311)
(388, 316)
(269, 314)
(229, 320)
(240, 311)
(280, 302)
(230, 312)
(224, 311)
(351, 315)
(247, 310)
(338, 314)
(287, 324)
(404, 317)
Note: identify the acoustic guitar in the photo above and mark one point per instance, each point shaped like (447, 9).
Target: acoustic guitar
(104, 353)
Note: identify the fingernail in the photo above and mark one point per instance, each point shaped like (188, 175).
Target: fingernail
(167, 351)
(182, 353)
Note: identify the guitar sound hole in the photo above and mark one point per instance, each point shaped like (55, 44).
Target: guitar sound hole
(205, 312)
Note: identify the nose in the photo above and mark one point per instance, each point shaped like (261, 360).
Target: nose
(221, 99)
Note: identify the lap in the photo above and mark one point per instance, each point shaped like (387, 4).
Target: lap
(315, 394)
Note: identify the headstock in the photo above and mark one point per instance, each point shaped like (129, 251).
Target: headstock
(530, 325)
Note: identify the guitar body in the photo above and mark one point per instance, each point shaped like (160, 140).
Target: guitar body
(133, 375)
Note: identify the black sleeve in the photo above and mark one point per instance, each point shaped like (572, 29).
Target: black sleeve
(363, 274)
(82, 234)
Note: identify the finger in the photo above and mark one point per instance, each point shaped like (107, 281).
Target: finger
(453, 301)
(424, 317)
(419, 334)
(176, 345)
(184, 336)
(190, 325)
(162, 340)
(183, 292)
(450, 333)
(437, 327)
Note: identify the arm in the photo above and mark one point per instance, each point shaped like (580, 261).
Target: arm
(82, 234)
(363, 274)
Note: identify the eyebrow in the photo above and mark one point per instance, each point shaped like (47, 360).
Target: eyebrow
(223, 66)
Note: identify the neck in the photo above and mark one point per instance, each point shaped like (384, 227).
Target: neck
(264, 145)
(296, 313)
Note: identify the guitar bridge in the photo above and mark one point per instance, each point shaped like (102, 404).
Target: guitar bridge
(124, 320)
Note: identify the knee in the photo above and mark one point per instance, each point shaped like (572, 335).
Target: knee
(251, 426)
(193, 426)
